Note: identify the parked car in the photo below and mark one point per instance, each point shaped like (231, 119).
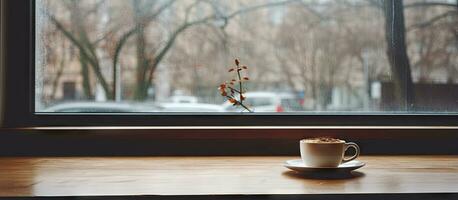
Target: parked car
(183, 99)
(101, 107)
(267, 102)
(190, 107)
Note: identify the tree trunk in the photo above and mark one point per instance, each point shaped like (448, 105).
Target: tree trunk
(86, 78)
(142, 62)
(397, 54)
(88, 58)
(60, 71)
(142, 65)
(79, 34)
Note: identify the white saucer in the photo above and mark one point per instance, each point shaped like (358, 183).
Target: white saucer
(299, 166)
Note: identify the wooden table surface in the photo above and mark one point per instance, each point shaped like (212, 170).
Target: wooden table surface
(88, 176)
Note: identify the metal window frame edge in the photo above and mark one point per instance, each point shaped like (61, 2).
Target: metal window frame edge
(19, 95)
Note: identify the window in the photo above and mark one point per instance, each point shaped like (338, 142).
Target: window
(43, 131)
(170, 56)
(145, 62)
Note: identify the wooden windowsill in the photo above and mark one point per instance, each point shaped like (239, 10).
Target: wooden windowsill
(99, 176)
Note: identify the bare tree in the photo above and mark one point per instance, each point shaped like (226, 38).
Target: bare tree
(319, 45)
(146, 73)
(397, 54)
(87, 49)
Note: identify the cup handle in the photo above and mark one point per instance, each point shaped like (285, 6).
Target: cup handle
(356, 147)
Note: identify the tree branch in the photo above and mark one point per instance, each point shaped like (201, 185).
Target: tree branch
(83, 51)
(254, 8)
(117, 52)
(159, 11)
(376, 3)
(423, 4)
(186, 25)
(431, 21)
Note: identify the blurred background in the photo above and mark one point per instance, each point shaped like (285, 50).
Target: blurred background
(303, 55)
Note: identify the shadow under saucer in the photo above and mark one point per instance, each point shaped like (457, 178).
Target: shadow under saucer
(324, 175)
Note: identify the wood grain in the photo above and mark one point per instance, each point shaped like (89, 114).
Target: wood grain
(96, 176)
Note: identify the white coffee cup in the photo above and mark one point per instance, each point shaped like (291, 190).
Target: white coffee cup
(316, 153)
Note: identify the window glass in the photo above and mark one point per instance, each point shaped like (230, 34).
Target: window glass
(314, 56)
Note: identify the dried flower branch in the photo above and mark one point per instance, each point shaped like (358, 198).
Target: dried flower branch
(231, 95)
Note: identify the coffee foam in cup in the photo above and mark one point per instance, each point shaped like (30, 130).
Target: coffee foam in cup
(322, 140)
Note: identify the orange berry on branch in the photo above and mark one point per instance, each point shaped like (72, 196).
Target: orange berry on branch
(232, 100)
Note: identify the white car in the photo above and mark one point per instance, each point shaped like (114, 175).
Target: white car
(190, 107)
(100, 107)
(183, 99)
(267, 102)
